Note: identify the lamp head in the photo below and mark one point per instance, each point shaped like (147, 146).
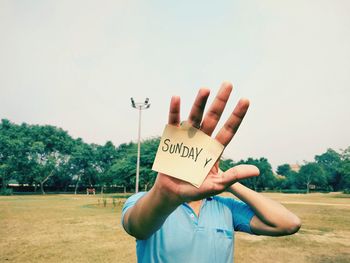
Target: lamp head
(133, 102)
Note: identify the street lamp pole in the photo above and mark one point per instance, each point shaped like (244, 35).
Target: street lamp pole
(140, 106)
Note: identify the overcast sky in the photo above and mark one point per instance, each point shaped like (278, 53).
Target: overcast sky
(75, 65)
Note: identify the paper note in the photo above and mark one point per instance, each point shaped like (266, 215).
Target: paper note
(186, 153)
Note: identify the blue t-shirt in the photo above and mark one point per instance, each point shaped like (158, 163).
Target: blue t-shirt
(184, 237)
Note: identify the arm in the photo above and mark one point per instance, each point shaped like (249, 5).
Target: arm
(271, 218)
(150, 211)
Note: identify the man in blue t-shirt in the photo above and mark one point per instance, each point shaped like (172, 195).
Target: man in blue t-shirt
(177, 222)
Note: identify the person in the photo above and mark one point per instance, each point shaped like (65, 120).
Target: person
(177, 222)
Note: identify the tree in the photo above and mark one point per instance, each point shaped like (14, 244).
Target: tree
(148, 153)
(123, 170)
(345, 179)
(265, 180)
(122, 173)
(344, 170)
(311, 173)
(13, 152)
(83, 164)
(283, 169)
(330, 161)
(105, 157)
(62, 177)
(49, 149)
(290, 181)
(226, 164)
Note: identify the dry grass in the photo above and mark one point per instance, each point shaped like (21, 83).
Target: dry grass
(63, 228)
(324, 236)
(68, 228)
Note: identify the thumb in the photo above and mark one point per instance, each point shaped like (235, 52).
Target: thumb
(240, 172)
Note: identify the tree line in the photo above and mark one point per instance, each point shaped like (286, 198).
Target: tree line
(46, 157)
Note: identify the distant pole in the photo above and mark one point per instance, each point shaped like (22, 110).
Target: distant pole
(138, 154)
(140, 106)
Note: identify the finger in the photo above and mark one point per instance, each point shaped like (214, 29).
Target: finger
(174, 111)
(231, 126)
(196, 114)
(239, 172)
(213, 115)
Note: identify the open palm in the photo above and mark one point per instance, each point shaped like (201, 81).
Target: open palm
(216, 181)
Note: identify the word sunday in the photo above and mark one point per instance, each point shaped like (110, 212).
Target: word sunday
(181, 149)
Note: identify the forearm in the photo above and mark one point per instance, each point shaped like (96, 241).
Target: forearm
(278, 219)
(149, 213)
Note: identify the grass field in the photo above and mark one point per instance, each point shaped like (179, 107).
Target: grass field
(68, 228)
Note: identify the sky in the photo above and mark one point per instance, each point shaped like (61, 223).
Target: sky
(75, 65)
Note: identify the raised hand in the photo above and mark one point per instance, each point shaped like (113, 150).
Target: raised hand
(150, 211)
(168, 193)
(179, 191)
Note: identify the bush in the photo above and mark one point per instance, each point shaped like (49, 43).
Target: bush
(6, 191)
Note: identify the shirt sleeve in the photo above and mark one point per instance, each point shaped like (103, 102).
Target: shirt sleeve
(242, 215)
(130, 202)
